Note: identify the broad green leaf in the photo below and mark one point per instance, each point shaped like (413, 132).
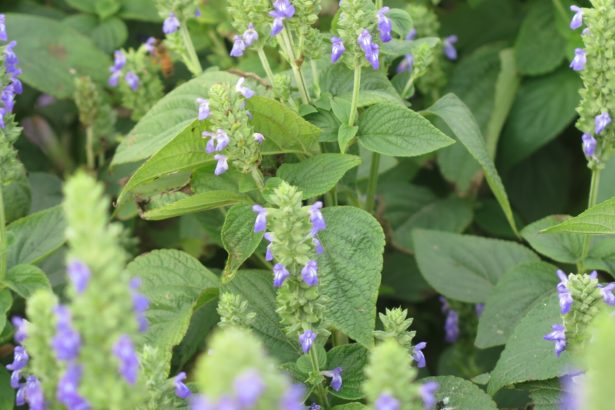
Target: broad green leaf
(256, 287)
(401, 21)
(6, 301)
(352, 358)
(561, 247)
(400, 201)
(402, 279)
(345, 136)
(514, 295)
(527, 356)
(318, 174)
(284, 130)
(46, 190)
(606, 187)
(460, 120)
(17, 197)
(171, 116)
(194, 203)
(34, 237)
(204, 180)
(144, 10)
(349, 270)
(173, 281)
(545, 395)
(465, 267)
(399, 132)
(539, 48)
(51, 61)
(108, 35)
(459, 393)
(7, 394)
(351, 406)
(238, 237)
(597, 220)
(26, 279)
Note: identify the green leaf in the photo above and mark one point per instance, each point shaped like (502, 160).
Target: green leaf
(349, 270)
(350, 406)
(34, 237)
(465, 267)
(6, 301)
(107, 8)
(26, 279)
(171, 116)
(514, 295)
(352, 358)
(539, 48)
(597, 220)
(461, 394)
(561, 247)
(173, 281)
(7, 394)
(256, 287)
(399, 132)
(143, 10)
(545, 395)
(460, 120)
(284, 130)
(50, 62)
(238, 237)
(401, 21)
(194, 203)
(17, 196)
(46, 190)
(345, 136)
(318, 174)
(527, 356)
(108, 35)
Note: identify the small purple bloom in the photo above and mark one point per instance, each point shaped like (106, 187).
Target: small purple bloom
(314, 406)
(577, 19)
(66, 343)
(150, 45)
(211, 143)
(248, 388)
(250, 35)
(261, 218)
(365, 41)
(277, 26)
(283, 9)
(607, 294)
(558, 335)
(3, 34)
(572, 391)
(428, 394)
(20, 359)
(132, 80)
(219, 140)
(316, 218)
(140, 304)
(337, 48)
(197, 12)
(451, 324)
(386, 402)
(204, 110)
(384, 24)
(449, 47)
(280, 273)
(306, 339)
(239, 46)
(406, 64)
(170, 24)
(418, 356)
(585, 31)
(293, 398)
(181, 390)
(372, 57)
(119, 60)
(309, 273)
(602, 121)
(15, 379)
(317, 245)
(579, 60)
(124, 351)
(222, 165)
(258, 137)
(565, 298)
(20, 329)
(114, 79)
(336, 377)
(589, 144)
(268, 254)
(79, 274)
(32, 393)
(241, 89)
(479, 307)
(411, 35)
(67, 390)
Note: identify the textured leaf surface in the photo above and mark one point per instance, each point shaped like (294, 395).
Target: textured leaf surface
(465, 267)
(6, 301)
(352, 358)
(561, 247)
(238, 236)
(545, 395)
(7, 394)
(599, 219)
(461, 394)
(26, 279)
(194, 203)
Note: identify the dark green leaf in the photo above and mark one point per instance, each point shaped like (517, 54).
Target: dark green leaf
(562, 247)
(597, 220)
(352, 358)
(194, 203)
(238, 237)
(26, 279)
(459, 393)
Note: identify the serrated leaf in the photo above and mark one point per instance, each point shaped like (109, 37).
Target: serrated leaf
(460, 120)
(465, 267)
(34, 237)
(110, 34)
(561, 247)
(349, 270)
(173, 281)
(514, 295)
(401, 21)
(238, 237)
(399, 132)
(318, 174)
(352, 358)
(458, 393)
(545, 395)
(200, 202)
(527, 356)
(26, 279)
(17, 196)
(597, 220)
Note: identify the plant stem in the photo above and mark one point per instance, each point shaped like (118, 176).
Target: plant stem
(193, 63)
(356, 86)
(3, 239)
(305, 96)
(265, 63)
(320, 390)
(408, 85)
(372, 183)
(258, 179)
(593, 198)
(89, 147)
(315, 78)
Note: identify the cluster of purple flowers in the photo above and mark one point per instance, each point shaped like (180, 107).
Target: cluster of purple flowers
(248, 387)
(14, 86)
(448, 43)
(282, 9)
(240, 43)
(131, 78)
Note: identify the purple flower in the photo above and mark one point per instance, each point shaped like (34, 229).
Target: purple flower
(365, 41)
(204, 110)
(67, 390)
(316, 218)
(317, 245)
(451, 324)
(114, 79)
(245, 91)
(579, 60)
(3, 34)
(200, 402)
(479, 307)
(589, 144)
(248, 388)
(277, 26)
(384, 24)
(79, 275)
(250, 35)
(565, 298)
(258, 137)
(314, 406)
(10, 60)
(418, 356)
(140, 304)
(239, 46)
(602, 121)
(132, 80)
(577, 19)
(66, 342)
(283, 9)
(20, 329)
(150, 45)
(119, 60)
(20, 359)
(336, 377)
(572, 390)
(222, 165)
(32, 393)
(7, 96)
(372, 57)
(306, 339)
(15, 379)
(170, 24)
(124, 351)
(449, 47)
(181, 390)
(386, 402)
(268, 254)
(411, 35)
(607, 294)
(309, 273)
(280, 273)
(337, 48)
(261, 218)
(218, 140)
(292, 399)
(406, 64)
(558, 335)
(428, 394)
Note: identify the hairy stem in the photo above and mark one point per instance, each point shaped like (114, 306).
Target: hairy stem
(321, 392)
(193, 63)
(265, 63)
(356, 87)
(89, 147)
(593, 198)
(372, 183)
(305, 96)
(315, 78)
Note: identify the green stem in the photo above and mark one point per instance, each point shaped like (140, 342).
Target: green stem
(258, 179)
(193, 63)
(305, 96)
(265, 63)
(356, 86)
(560, 8)
(321, 392)
(3, 239)
(315, 78)
(89, 147)
(408, 85)
(593, 198)
(372, 183)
